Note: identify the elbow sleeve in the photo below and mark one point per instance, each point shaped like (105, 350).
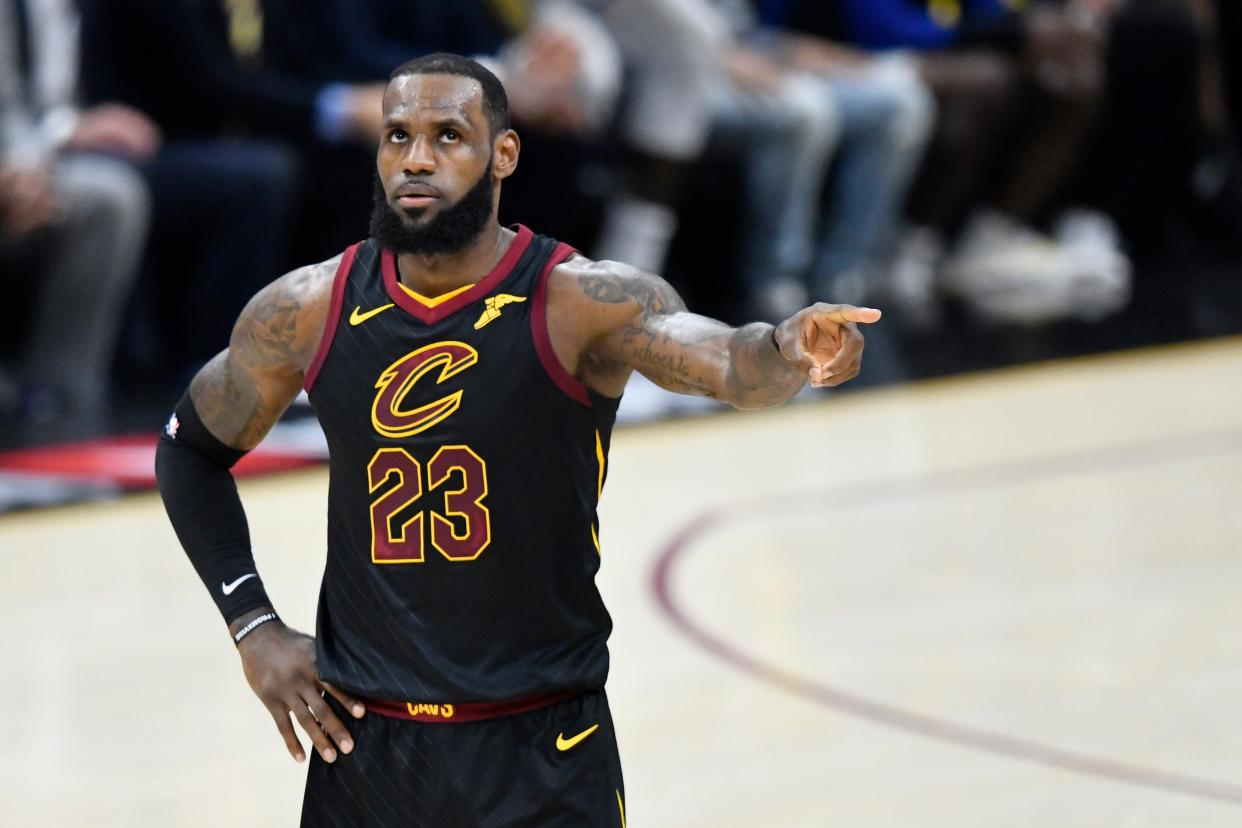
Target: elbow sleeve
(192, 468)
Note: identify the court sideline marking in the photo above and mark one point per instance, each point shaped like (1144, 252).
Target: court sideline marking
(1204, 444)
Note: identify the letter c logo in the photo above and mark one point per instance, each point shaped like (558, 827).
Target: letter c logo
(395, 382)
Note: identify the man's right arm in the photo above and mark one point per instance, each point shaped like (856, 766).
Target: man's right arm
(232, 403)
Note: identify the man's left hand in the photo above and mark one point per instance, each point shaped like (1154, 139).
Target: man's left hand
(826, 341)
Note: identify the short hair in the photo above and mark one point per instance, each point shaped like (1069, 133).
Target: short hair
(495, 101)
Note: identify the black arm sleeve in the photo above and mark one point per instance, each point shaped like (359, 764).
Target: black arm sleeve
(201, 499)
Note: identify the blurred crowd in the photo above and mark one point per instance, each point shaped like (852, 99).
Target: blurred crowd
(1004, 162)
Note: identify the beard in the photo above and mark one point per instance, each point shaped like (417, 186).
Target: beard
(449, 231)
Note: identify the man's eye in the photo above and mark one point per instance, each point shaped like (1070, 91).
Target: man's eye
(398, 135)
(450, 135)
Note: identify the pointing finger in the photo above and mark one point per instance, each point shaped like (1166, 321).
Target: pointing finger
(843, 314)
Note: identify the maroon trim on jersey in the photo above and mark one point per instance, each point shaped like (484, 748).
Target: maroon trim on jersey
(564, 380)
(458, 713)
(334, 315)
(429, 314)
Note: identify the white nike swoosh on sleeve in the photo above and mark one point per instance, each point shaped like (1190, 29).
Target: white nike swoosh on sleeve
(228, 588)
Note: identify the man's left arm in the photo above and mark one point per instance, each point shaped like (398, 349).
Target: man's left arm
(624, 319)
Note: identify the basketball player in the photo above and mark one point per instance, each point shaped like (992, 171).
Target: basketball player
(466, 376)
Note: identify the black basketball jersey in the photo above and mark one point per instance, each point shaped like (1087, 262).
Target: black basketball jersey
(466, 465)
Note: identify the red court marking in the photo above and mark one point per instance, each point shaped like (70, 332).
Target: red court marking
(1205, 445)
(128, 462)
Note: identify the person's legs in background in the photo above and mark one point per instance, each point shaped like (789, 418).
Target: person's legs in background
(672, 56)
(1003, 267)
(785, 141)
(222, 210)
(886, 115)
(88, 268)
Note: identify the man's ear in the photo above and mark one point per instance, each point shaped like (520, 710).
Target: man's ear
(505, 151)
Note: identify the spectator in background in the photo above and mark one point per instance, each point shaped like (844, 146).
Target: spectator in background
(560, 67)
(1018, 91)
(72, 219)
(793, 105)
(672, 51)
(253, 154)
(885, 115)
(258, 77)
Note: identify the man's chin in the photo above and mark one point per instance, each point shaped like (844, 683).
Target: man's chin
(414, 217)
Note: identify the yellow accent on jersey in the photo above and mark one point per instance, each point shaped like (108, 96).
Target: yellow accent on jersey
(444, 711)
(599, 456)
(621, 806)
(432, 301)
(492, 306)
(358, 317)
(599, 489)
(563, 744)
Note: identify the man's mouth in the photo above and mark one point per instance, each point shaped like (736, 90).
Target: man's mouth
(416, 201)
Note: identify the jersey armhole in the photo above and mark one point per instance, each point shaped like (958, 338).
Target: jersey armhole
(334, 315)
(568, 383)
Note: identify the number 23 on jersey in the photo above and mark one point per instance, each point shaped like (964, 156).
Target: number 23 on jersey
(461, 529)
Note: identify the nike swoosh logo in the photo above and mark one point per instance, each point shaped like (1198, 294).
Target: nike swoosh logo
(563, 744)
(228, 588)
(358, 317)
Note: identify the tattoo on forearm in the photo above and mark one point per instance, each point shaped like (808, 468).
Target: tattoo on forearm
(662, 358)
(758, 375)
(688, 353)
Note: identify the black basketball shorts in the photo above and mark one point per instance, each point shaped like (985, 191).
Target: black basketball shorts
(556, 765)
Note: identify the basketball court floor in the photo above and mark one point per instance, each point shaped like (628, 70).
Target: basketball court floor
(1011, 599)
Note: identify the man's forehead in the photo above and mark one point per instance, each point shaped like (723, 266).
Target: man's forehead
(448, 94)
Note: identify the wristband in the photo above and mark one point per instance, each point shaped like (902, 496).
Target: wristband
(253, 625)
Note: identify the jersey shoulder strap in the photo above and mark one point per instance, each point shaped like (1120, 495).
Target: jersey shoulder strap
(333, 321)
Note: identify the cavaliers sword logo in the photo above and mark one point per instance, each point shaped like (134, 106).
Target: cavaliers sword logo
(388, 414)
(492, 306)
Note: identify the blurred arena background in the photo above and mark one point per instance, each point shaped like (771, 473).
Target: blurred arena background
(988, 583)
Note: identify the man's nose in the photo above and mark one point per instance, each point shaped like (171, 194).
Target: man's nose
(420, 158)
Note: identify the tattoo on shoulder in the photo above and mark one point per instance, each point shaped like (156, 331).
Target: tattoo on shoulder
(651, 293)
(242, 391)
(270, 330)
(274, 330)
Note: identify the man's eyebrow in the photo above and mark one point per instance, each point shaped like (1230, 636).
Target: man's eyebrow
(453, 118)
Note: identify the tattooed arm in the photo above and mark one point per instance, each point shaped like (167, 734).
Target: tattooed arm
(243, 390)
(610, 319)
(236, 398)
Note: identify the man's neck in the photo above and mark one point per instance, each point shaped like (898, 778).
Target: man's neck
(438, 274)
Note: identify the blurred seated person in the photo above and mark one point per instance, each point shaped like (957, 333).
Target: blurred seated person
(883, 115)
(1018, 85)
(252, 74)
(72, 222)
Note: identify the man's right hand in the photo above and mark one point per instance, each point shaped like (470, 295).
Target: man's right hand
(279, 663)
